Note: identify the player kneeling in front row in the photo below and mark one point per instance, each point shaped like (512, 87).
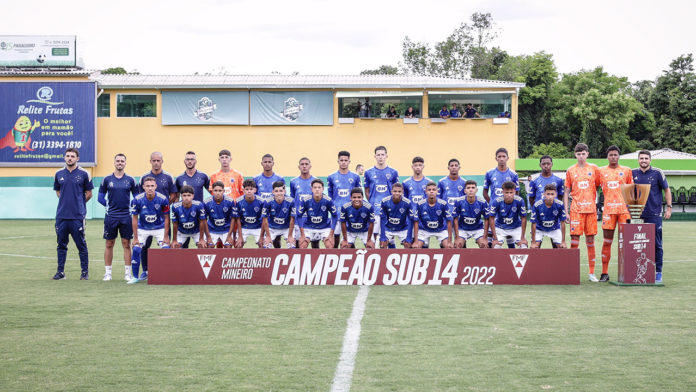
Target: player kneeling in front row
(357, 221)
(395, 219)
(188, 220)
(316, 225)
(249, 211)
(548, 219)
(471, 217)
(432, 218)
(150, 212)
(508, 217)
(221, 213)
(279, 217)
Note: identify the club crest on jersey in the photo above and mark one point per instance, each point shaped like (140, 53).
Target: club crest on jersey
(363, 215)
(323, 208)
(460, 187)
(476, 210)
(225, 209)
(402, 210)
(193, 214)
(555, 212)
(111, 184)
(285, 210)
(438, 212)
(291, 109)
(514, 209)
(388, 176)
(157, 206)
(589, 173)
(508, 178)
(205, 110)
(256, 209)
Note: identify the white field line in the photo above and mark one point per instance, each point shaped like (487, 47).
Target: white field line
(26, 236)
(351, 339)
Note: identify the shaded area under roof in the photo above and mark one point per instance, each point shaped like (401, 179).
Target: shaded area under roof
(665, 153)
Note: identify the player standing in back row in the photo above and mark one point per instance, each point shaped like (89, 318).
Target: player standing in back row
(615, 211)
(494, 182)
(378, 182)
(340, 185)
(581, 182)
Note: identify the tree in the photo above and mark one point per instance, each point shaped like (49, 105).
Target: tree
(673, 103)
(382, 70)
(452, 57)
(554, 150)
(114, 71)
(595, 108)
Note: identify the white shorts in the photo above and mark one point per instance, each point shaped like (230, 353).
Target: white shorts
(555, 235)
(352, 236)
(425, 236)
(475, 234)
(317, 234)
(514, 234)
(222, 237)
(392, 236)
(246, 233)
(275, 233)
(377, 229)
(181, 237)
(158, 235)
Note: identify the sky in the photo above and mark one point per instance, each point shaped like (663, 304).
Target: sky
(637, 39)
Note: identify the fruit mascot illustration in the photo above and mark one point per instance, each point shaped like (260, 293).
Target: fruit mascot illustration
(19, 138)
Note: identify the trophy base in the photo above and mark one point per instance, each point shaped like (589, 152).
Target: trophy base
(635, 220)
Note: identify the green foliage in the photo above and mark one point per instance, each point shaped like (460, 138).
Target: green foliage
(382, 70)
(554, 150)
(118, 71)
(454, 56)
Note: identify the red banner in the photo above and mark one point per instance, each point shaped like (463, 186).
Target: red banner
(636, 253)
(364, 267)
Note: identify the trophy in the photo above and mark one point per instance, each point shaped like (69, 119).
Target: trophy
(635, 196)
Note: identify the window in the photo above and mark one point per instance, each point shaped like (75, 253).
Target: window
(488, 105)
(136, 105)
(104, 105)
(352, 104)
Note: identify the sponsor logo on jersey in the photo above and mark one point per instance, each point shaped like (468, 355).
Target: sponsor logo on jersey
(316, 219)
(356, 225)
(250, 219)
(343, 192)
(394, 221)
(583, 184)
(613, 184)
(219, 222)
(548, 223)
(432, 225)
(469, 221)
(508, 221)
(150, 218)
(188, 225)
(381, 188)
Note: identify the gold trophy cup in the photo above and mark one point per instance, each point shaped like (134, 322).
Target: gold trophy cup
(635, 196)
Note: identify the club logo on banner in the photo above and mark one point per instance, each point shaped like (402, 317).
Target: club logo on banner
(206, 263)
(292, 109)
(519, 261)
(206, 107)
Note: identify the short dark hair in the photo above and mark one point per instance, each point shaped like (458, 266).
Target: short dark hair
(613, 148)
(190, 153)
(509, 185)
(453, 160)
(267, 156)
(470, 182)
(430, 183)
(149, 178)
(317, 181)
(501, 149)
(120, 154)
(225, 152)
(187, 189)
(417, 159)
(550, 187)
(219, 183)
(644, 152)
(356, 190)
(581, 147)
(397, 185)
(249, 183)
(545, 157)
(304, 158)
(77, 153)
(343, 153)
(278, 184)
(380, 148)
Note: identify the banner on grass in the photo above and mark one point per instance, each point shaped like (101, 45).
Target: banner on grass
(364, 267)
(40, 120)
(291, 108)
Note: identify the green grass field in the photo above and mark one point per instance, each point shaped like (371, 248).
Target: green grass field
(108, 336)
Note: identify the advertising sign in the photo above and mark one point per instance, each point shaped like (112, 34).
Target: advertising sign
(205, 107)
(291, 108)
(636, 253)
(39, 120)
(37, 51)
(364, 267)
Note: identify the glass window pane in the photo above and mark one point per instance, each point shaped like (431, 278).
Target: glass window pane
(104, 105)
(136, 105)
(378, 107)
(486, 105)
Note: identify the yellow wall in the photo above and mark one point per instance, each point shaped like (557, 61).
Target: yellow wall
(473, 142)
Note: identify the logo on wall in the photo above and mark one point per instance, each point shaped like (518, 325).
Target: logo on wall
(292, 109)
(206, 107)
(44, 95)
(519, 261)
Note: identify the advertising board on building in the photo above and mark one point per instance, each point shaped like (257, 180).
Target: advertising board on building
(39, 120)
(205, 107)
(291, 108)
(37, 51)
